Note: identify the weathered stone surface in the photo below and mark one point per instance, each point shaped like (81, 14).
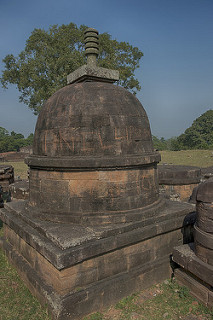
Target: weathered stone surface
(73, 196)
(6, 176)
(177, 182)
(99, 267)
(205, 191)
(206, 173)
(12, 156)
(177, 192)
(20, 189)
(204, 238)
(73, 243)
(93, 159)
(204, 253)
(93, 74)
(186, 258)
(197, 259)
(178, 174)
(77, 269)
(93, 297)
(197, 288)
(93, 120)
(203, 232)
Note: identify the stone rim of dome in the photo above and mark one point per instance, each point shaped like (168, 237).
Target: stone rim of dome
(88, 162)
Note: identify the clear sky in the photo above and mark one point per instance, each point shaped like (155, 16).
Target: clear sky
(176, 37)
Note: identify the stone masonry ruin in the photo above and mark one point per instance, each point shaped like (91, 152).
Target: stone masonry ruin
(196, 259)
(6, 178)
(94, 229)
(177, 182)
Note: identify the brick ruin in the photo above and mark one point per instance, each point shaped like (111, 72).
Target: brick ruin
(6, 178)
(94, 229)
(177, 182)
(11, 187)
(19, 190)
(196, 259)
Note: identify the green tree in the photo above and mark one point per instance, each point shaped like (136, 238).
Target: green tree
(159, 144)
(49, 56)
(13, 141)
(200, 134)
(3, 133)
(16, 135)
(173, 144)
(29, 140)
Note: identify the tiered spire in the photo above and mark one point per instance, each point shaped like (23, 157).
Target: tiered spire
(90, 71)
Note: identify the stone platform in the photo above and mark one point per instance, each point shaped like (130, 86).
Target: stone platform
(78, 269)
(194, 273)
(176, 182)
(6, 177)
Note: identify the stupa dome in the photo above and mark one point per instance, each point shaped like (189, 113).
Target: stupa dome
(93, 124)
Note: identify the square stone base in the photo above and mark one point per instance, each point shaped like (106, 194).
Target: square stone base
(77, 270)
(194, 274)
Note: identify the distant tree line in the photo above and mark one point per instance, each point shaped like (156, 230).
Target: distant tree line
(13, 141)
(198, 136)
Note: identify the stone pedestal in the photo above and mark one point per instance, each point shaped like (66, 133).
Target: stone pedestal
(77, 270)
(196, 259)
(194, 273)
(20, 190)
(176, 182)
(6, 178)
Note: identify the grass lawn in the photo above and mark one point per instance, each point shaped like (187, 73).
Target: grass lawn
(198, 158)
(167, 300)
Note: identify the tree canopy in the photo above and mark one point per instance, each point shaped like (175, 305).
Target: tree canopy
(49, 56)
(200, 134)
(13, 141)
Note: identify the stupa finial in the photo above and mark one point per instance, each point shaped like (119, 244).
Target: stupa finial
(91, 45)
(90, 71)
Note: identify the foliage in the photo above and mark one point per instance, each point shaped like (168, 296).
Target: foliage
(13, 141)
(16, 300)
(3, 132)
(200, 134)
(159, 144)
(163, 144)
(49, 56)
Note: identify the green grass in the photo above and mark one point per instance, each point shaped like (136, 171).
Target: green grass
(16, 301)
(163, 301)
(20, 168)
(199, 158)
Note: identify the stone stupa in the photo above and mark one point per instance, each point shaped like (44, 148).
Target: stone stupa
(94, 229)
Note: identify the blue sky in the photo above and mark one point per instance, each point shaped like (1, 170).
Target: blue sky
(176, 37)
